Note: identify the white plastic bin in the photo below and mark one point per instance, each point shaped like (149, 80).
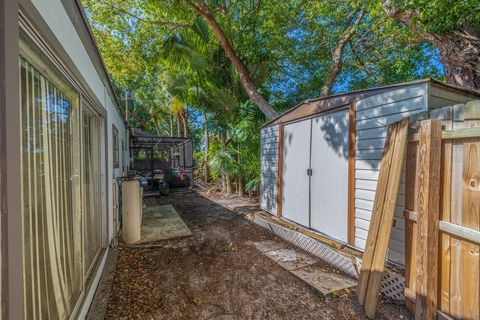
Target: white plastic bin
(131, 211)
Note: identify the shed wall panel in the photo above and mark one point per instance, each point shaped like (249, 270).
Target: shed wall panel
(269, 169)
(374, 115)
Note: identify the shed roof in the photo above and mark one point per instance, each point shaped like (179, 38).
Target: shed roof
(315, 106)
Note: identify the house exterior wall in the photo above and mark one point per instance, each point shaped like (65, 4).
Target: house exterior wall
(56, 27)
(60, 24)
(11, 221)
(70, 42)
(269, 168)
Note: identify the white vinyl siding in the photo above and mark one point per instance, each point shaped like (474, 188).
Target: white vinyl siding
(269, 169)
(374, 114)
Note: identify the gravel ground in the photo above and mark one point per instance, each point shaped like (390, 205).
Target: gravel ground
(218, 274)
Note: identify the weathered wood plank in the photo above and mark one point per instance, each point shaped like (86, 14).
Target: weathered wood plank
(455, 300)
(410, 226)
(384, 205)
(464, 133)
(470, 261)
(428, 183)
(460, 232)
(376, 218)
(445, 212)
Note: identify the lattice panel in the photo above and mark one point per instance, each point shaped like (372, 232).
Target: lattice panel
(392, 286)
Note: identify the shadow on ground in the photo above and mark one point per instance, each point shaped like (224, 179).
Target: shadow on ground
(218, 274)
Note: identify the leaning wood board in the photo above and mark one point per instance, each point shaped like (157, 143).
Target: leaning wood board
(373, 263)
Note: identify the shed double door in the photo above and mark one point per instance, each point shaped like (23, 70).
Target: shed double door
(315, 174)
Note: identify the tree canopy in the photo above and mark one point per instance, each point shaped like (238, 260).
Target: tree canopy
(218, 69)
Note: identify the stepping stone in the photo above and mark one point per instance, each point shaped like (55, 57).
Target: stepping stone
(324, 281)
(305, 267)
(290, 259)
(268, 245)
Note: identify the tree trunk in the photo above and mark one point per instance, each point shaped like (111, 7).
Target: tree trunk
(183, 117)
(225, 180)
(171, 125)
(240, 67)
(126, 106)
(337, 58)
(224, 184)
(206, 165)
(178, 126)
(241, 186)
(459, 49)
(228, 182)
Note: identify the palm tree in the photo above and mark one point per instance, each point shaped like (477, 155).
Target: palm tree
(200, 76)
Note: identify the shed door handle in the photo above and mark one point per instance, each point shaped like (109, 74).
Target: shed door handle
(309, 172)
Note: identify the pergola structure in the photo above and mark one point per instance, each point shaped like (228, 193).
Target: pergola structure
(150, 152)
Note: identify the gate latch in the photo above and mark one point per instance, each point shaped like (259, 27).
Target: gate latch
(309, 172)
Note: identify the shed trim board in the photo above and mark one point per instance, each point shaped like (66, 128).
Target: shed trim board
(280, 169)
(371, 111)
(352, 138)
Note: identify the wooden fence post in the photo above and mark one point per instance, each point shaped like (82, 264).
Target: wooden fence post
(428, 197)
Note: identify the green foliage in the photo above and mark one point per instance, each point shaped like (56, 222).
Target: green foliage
(166, 58)
(443, 16)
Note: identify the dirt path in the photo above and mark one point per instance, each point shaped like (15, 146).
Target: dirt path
(218, 274)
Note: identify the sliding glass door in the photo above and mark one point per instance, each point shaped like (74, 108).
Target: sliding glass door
(63, 227)
(92, 218)
(53, 279)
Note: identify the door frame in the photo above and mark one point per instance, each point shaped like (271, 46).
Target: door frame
(87, 108)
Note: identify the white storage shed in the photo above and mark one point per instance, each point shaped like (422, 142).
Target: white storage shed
(320, 160)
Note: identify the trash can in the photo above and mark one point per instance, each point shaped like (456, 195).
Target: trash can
(131, 211)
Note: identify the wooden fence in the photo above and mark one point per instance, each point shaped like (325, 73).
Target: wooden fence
(443, 213)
